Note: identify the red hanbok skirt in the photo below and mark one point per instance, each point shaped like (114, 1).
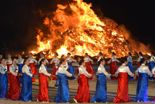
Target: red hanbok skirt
(9, 77)
(33, 68)
(122, 90)
(89, 68)
(54, 70)
(113, 68)
(83, 93)
(43, 88)
(14, 88)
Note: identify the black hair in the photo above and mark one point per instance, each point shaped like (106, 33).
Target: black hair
(41, 61)
(99, 62)
(61, 61)
(26, 59)
(81, 61)
(142, 60)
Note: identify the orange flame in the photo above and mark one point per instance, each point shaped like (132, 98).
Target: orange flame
(77, 29)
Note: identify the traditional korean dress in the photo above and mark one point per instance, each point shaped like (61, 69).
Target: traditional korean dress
(9, 63)
(14, 88)
(43, 84)
(55, 62)
(88, 64)
(113, 65)
(62, 94)
(151, 63)
(122, 90)
(20, 62)
(3, 81)
(129, 60)
(71, 68)
(139, 60)
(33, 67)
(83, 93)
(26, 91)
(142, 84)
(101, 86)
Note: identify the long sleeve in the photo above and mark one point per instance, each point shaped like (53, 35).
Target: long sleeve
(82, 70)
(26, 70)
(129, 72)
(43, 70)
(3, 69)
(68, 74)
(153, 70)
(101, 69)
(148, 71)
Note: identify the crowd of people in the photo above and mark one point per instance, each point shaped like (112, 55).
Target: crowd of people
(17, 75)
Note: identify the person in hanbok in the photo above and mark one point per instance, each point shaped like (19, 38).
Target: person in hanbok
(3, 79)
(122, 90)
(140, 57)
(113, 64)
(70, 60)
(43, 82)
(129, 60)
(101, 86)
(20, 62)
(83, 93)
(151, 62)
(42, 56)
(100, 56)
(62, 93)
(32, 64)
(14, 86)
(9, 63)
(88, 61)
(55, 63)
(26, 91)
(143, 73)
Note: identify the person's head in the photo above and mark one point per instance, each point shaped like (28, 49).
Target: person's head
(27, 61)
(63, 62)
(100, 54)
(56, 54)
(9, 56)
(3, 62)
(113, 54)
(140, 54)
(19, 56)
(82, 62)
(41, 55)
(14, 61)
(63, 57)
(129, 54)
(68, 54)
(86, 54)
(143, 61)
(123, 62)
(102, 62)
(30, 55)
(43, 61)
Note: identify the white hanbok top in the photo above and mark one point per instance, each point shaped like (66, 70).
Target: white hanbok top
(3, 69)
(9, 61)
(125, 69)
(99, 58)
(63, 70)
(55, 60)
(20, 61)
(129, 59)
(139, 58)
(14, 69)
(26, 70)
(101, 69)
(88, 59)
(152, 59)
(32, 60)
(82, 70)
(42, 69)
(144, 69)
(70, 59)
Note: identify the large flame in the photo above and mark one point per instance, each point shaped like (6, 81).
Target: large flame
(77, 29)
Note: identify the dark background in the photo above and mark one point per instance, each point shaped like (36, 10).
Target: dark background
(19, 18)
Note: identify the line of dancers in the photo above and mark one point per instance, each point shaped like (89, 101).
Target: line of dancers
(18, 74)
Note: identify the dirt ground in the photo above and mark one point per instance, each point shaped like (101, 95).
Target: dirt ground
(111, 87)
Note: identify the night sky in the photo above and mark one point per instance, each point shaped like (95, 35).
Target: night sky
(19, 19)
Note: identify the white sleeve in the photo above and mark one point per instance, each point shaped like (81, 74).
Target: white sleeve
(116, 73)
(106, 73)
(51, 61)
(86, 73)
(129, 72)
(153, 70)
(68, 74)
(44, 71)
(26, 71)
(35, 60)
(148, 72)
